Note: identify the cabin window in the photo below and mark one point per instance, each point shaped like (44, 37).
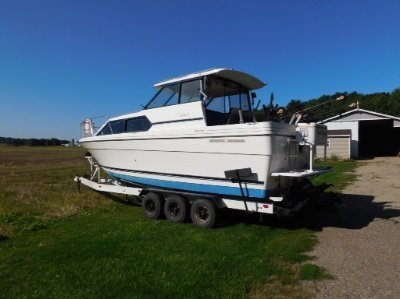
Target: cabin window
(218, 105)
(168, 95)
(178, 93)
(190, 92)
(117, 126)
(240, 101)
(224, 100)
(106, 130)
(138, 124)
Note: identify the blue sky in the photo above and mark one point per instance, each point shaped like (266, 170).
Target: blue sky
(63, 61)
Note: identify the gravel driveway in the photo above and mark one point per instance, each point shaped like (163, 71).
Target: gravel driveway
(360, 245)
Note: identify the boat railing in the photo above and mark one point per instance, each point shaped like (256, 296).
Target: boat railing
(89, 128)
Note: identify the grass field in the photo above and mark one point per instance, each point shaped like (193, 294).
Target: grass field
(340, 176)
(56, 243)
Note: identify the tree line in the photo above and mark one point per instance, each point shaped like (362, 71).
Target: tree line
(32, 141)
(382, 102)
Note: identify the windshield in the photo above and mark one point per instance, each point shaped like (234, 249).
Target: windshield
(226, 95)
(178, 93)
(226, 103)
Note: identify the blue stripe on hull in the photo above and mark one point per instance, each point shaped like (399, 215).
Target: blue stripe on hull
(191, 187)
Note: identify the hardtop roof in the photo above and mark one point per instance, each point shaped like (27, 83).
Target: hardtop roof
(244, 79)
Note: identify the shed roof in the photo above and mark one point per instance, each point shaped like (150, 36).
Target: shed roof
(359, 110)
(244, 79)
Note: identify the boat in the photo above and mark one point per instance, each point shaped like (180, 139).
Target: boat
(199, 137)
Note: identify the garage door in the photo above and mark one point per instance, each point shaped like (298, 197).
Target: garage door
(338, 146)
(378, 138)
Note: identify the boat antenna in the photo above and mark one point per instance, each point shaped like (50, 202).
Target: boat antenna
(274, 112)
(339, 110)
(298, 114)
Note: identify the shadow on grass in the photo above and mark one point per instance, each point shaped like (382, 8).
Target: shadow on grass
(3, 238)
(354, 212)
(122, 199)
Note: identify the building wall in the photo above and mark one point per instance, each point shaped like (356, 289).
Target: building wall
(350, 125)
(338, 146)
(354, 121)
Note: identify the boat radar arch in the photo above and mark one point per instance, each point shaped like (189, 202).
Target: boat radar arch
(244, 79)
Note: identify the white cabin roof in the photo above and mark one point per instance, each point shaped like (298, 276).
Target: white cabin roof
(246, 80)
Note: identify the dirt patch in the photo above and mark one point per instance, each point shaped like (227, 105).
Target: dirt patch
(360, 244)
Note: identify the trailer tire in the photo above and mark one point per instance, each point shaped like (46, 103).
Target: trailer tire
(175, 208)
(203, 213)
(153, 205)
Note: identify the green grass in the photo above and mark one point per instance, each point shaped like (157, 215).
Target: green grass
(36, 184)
(117, 253)
(342, 174)
(312, 272)
(56, 243)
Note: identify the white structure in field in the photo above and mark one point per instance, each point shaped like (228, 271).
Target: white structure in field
(361, 132)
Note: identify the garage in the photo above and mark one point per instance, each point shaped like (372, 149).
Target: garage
(338, 145)
(378, 138)
(371, 134)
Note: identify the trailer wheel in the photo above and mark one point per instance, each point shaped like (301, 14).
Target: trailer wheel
(175, 208)
(203, 213)
(152, 205)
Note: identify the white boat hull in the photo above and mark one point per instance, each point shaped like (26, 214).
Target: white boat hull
(194, 159)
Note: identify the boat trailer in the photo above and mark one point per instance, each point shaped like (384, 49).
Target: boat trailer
(203, 207)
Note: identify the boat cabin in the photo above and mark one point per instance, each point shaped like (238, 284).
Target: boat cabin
(214, 97)
(225, 93)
